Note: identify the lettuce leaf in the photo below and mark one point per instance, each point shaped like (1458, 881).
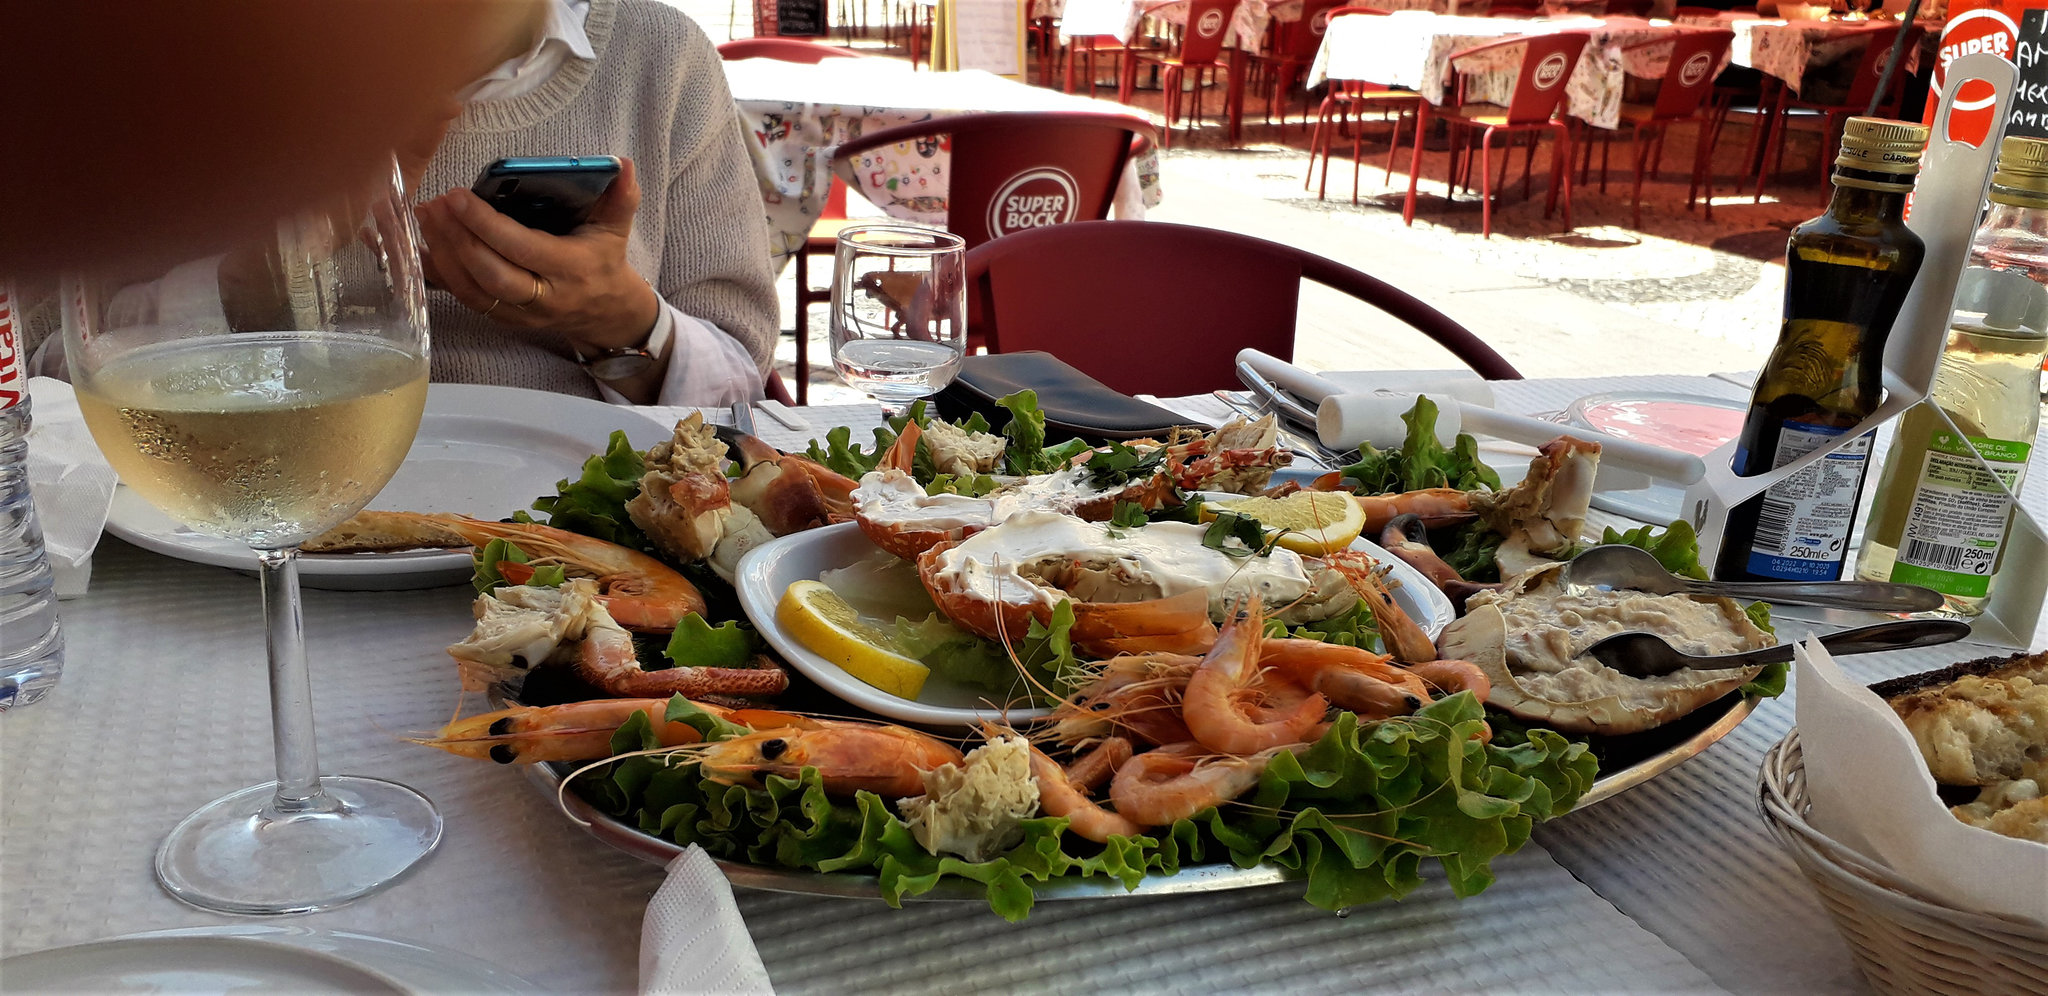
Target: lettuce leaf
(595, 503)
(497, 551)
(843, 455)
(1677, 547)
(1353, 627)
(1026, 431)
(1421, 461)
(1355, 815)
(955, 654)
(697, 643)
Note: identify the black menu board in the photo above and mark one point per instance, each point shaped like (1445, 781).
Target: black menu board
(800, 18)
(2029, 115)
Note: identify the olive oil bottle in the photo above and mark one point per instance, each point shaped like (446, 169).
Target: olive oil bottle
(1846, 276)
(1939, 519)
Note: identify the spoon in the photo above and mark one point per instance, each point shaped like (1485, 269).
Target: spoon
(1618, 565)
(1646, 655)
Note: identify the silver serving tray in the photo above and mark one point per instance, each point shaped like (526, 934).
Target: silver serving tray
(1191, 878)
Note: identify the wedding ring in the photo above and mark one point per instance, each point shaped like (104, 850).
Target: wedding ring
(540, 287)
(494, 306)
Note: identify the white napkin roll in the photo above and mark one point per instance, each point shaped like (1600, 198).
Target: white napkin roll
(692, 939)
(70, 482)
(1347, 420)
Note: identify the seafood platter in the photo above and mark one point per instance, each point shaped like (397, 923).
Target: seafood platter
(963, 663)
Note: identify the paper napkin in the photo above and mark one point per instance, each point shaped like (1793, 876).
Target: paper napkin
(1872, 792)
(71, 483)
(692, 939)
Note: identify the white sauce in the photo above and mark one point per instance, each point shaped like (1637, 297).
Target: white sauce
(1159, 560)
(892, 497)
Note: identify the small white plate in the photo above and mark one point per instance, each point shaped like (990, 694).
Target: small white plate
(254, 958)
(769, 569)
(481, 450)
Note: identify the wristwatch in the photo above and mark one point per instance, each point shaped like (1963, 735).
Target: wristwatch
(630, 361)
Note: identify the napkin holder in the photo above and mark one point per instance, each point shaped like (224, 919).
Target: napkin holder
(1075, 404)
(1945, 207)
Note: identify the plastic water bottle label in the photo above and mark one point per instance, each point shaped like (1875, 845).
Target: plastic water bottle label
(13, 376)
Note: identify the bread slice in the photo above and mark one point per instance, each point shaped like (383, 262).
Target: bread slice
(1979, 721)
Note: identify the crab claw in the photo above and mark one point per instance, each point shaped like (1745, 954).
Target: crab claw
(1407, 537)
(787, 492)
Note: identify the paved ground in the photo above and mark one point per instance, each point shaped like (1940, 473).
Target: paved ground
(1680, 294)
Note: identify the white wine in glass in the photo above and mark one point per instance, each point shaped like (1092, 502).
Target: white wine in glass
(899, 311)
(264, 395)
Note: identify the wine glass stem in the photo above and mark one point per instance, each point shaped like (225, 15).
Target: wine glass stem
(291, 687)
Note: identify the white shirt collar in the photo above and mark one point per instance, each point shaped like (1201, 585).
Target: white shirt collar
(562, 38)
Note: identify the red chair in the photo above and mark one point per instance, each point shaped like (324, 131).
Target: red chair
(1084, 50)
(824, 235)
(1877, 47)
(1201, 45)
(1345, 97)
(1294, 47)
(783, 50)
(1688, 78)
(1145, 306)
(1540, 83)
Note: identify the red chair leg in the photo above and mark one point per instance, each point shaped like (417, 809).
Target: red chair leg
(1315, 145)
(1779, 125)
(803, 326)
(1357, 137)
(1394, 143)
(1642, 161)
(1486, 184)
(1528, 164)
(1415, 162)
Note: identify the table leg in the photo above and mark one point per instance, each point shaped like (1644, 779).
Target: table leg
(1234, 98)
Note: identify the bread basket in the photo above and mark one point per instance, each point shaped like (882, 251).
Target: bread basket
(1903, 942)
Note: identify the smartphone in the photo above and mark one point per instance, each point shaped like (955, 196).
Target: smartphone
(552, 194)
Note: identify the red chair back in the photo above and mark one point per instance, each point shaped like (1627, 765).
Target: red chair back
(1541, 79)
(1018, 170)
(1299, 40)
(1870, 65)
(1145, 306)
(783, 50)
(1689, 74)
(1208, 24)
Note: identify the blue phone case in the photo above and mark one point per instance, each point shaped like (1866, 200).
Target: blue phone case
(552, 194)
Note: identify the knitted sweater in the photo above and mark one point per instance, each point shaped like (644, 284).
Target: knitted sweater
(656, 93)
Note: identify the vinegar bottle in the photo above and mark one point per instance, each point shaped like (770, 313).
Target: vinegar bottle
(1939, 519)
(1846, 276)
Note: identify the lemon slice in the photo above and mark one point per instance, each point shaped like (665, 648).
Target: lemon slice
(818, 618)
(1311, 523)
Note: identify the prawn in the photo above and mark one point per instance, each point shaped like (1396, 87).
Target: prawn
(1091, 770)
(1176, 782)
(1222, 703)
(607, 660)
(640, 592)
(1058, 795)
(1434, 506)
(1136, 694)
(889, 761)
(1406, 640)
(1451, 677)
(1353, 678)
(576, 731)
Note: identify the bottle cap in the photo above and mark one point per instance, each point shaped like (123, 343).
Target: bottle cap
(1876, 145)
(2022, 167)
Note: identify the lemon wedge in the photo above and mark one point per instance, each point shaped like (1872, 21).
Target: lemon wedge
(815, 616)
(1311, 523)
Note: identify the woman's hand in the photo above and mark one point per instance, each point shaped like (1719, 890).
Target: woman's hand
(577, 285)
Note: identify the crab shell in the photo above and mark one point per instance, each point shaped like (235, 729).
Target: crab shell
(910, 542)
(1480, 636)
(1179, 624)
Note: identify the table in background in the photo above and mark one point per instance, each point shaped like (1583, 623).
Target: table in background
(163, 707)
(1787, 50)
(794, 115)
(1412, 49)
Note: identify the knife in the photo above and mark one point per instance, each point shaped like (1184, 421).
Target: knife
(1281, 402)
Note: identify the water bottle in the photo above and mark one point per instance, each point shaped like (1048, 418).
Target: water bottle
(31, 645)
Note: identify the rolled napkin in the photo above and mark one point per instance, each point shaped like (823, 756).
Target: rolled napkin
(1871, 791)
(71, 483)
(1465, 385)
(692, 939)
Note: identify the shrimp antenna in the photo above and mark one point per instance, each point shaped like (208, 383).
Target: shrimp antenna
(665, 753)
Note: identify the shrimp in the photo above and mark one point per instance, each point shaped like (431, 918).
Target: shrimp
(576, 731)
(1091, 770)
(1406, 640)
(1176, 782)
(1434, 506)
(1222, 706)
(640, 592)
(1352, 678)
(1136, 694)
(607, 660)
(1451, 677)
(1059, 796)
(889, 761)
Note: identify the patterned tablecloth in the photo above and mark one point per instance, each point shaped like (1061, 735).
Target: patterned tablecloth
(795, 115)
(1248, 25)
(1787, 50)
(1413, 48)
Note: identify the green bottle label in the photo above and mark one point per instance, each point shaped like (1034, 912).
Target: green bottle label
(1960, 513)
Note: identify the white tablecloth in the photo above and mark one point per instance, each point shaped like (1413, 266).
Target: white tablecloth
(163, 707)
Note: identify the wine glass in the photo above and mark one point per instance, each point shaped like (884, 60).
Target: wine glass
(264, 395)
(899, 311)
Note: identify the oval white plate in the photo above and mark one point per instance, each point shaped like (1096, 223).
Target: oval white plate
(772, 567)
(481, 450)
(256, 958)
(1659, 503)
